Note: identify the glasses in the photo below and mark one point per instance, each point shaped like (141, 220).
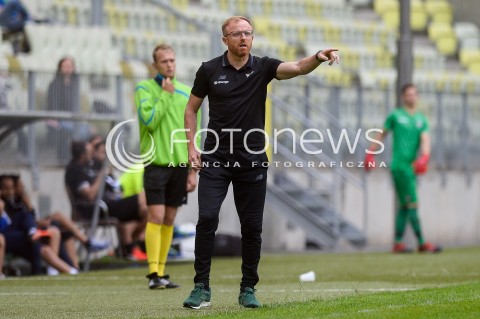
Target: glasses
(238, 34)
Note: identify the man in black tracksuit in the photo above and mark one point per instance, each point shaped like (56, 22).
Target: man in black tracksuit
(234, 150)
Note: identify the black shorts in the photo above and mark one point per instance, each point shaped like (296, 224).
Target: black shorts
(165, 185)
(125, 209)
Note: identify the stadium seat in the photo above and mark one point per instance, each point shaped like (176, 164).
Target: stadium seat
(447, 45)
(428, 58)
(434, 7)
(470, 43)
(442, 17)
(382, 6)
(466, 30)
(418, 16)
(469, 56)
(40, 8)
(468, 35)
(360, 3)
(437, 30)
(418, 20)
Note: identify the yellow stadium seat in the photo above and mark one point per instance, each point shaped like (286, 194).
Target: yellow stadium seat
(313, 9)
(435, 6)
(469, 56)
(418, 20)
(391, 18)
(381, 6)
(260, 25)
(242, 7)
(442, 17)
(72, 14)
(447, 45)
(437, 30)
(267, 7)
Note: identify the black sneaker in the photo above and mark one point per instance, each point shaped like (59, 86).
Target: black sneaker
(154, 282)
(160, 282)
(168, 284)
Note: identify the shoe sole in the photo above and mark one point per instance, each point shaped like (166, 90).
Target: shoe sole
(204, 304)
(158, 287)
(250, 306)
(437, 251)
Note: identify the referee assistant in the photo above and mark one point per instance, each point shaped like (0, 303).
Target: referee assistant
(161, 106)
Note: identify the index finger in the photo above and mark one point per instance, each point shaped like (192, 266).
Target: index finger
(330, 50)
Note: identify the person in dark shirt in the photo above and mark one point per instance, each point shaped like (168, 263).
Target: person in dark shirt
(84, 182)
(234, 150)
(13, 17)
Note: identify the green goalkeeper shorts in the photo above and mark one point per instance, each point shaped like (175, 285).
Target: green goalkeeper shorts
(405, 186)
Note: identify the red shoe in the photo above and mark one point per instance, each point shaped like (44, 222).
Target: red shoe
(41, 233)
(400, 248)
(429, 248)
(137, 254)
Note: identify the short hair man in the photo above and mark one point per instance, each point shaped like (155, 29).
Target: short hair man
(236, 86)
(161, 103)
(410, 135)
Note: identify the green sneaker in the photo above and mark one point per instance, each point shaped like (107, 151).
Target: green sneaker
(247, 298)
(199, 297)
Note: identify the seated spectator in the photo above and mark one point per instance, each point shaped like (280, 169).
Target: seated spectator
(21, 243)
(84, 182)
(69, 231)
(113, 192)
(13, 16)
(22, 236)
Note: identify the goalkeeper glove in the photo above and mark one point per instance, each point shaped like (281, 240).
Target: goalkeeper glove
(421, 164)
(369, 162)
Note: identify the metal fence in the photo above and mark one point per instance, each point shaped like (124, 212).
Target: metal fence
(454, 119)
(101, 100)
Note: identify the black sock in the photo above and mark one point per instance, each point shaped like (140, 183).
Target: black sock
(141, 245)
(127, 249)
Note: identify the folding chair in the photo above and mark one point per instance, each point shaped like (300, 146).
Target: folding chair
(100, 218)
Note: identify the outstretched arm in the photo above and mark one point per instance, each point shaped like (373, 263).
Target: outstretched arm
(288, 70)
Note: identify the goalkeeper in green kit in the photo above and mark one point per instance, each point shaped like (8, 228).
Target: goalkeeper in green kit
(411, 153)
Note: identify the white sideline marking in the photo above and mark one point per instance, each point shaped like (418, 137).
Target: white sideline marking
(221, 290)
(326, 290)
(71, 278)
(32, 293)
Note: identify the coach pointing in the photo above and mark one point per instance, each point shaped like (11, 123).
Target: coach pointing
(236, 86)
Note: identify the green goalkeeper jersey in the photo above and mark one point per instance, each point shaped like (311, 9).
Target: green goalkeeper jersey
(406, 129)
(161, 119)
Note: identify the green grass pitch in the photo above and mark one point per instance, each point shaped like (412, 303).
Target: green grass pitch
(355, 285)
